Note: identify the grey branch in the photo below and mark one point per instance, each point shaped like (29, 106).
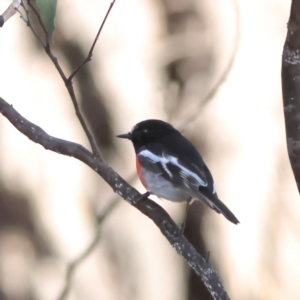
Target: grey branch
(10, 11)
(290, 75)
(156, 213)
(90, 54)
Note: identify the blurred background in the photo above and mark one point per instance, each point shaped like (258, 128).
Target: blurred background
(154, 59)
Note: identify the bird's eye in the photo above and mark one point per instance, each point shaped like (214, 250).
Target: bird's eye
(145, 131)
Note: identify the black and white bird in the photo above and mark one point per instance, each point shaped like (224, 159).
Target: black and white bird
(170, 167)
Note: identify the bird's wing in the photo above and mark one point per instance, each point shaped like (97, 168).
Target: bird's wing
(174, 169)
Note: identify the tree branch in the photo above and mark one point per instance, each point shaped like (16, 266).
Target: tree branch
(151, 209)
(10, 11)
(290, 76)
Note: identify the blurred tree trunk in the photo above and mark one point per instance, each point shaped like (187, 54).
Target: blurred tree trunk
(291, 88)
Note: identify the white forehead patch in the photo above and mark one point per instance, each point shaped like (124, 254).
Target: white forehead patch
(135, 127)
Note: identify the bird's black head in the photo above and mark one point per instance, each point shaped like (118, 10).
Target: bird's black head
(148, 131)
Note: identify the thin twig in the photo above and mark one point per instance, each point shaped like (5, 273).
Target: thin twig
(73, 265)
(21, 15)
(68, 83)
(89, 57)
(28, 23)
(40, 22)
(148, 207)
(195, 112)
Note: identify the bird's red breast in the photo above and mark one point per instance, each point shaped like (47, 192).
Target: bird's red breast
(139, 172)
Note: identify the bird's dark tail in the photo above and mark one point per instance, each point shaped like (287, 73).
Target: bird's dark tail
(220, 208)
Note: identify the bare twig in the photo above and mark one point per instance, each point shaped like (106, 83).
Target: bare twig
(151, 209)
(89, 56)
(73, 265)
(28, 22)
(40, 22)
(21, 14)
(68, 83)
(10, 11)
(195, 112)
(71, 269)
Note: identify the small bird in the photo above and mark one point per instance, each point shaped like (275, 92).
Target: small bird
(170, 167)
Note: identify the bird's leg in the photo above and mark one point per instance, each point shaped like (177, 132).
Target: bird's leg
(182, 227)
(207, 256)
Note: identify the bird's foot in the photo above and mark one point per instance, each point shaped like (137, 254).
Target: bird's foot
(207, 256)
(182, 227)
(144, 196)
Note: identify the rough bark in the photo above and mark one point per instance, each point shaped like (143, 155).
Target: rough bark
(291, 88)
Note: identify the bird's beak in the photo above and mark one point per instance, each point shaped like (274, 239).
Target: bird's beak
(125, 136)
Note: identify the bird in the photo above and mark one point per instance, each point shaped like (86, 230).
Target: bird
(170, 167)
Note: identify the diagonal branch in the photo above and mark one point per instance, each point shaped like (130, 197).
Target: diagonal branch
(151, 209)
(290, 75)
